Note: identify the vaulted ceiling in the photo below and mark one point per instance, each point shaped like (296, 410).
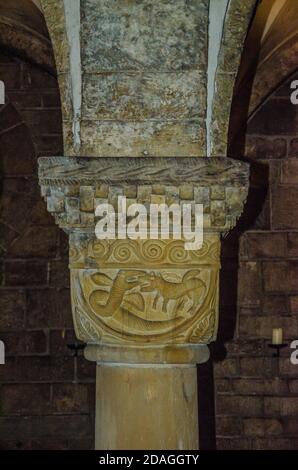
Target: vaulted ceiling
(270, 56)
(23, 31)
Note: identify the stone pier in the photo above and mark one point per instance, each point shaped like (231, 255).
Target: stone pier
(146, 90)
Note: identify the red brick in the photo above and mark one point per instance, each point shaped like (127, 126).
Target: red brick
(226, 368)
(49, 144)
(5, 58)
(25, 273)
(272, 304)
(40, 216)
(10, 74)
(251, 386)
(289, 406)
(262, 427)
(258, 211)
(64, 246)
(34, 78)
(249, 284)
(266, 245)
(277, 117)
(29, 236)
(239, 406)
(286, 368)
(275, 444)
(223, 385)
(290, 425)
(12, 308)
(51, 100)
(293, 386)
(71, 398)
(80, 444)
(256, 366)
(18, 197)
(293, 150)
(45, 121)
(272, 406)
(35, 242)
(49, 308)
(22, 99)
(262, 326)
(59, 339)
(285, 207)
(8, 235)
(245, 346)
(62, 444)
(22, 399)
(292, 245)
(37, 369)
(281, 276)
(86, 371)
(289, 171)
(46, 427)
(262, 147)
(24, 342)
(9, 118)
(11, 162)
(59, 274)
(284, 406)
(274, 172)
(233, 444)
(227, 427)
(6, 444)
(294, 304)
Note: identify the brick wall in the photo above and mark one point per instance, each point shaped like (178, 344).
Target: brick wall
(46, 395)
(257, 395)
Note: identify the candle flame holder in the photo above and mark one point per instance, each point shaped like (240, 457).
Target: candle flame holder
(277, 348)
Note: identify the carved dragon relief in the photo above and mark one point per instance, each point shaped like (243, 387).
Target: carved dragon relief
(144, 291)
(130, 305)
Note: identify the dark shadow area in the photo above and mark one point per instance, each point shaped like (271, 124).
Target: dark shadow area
(206, 400)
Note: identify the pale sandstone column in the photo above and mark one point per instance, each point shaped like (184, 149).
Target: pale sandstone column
(146, 407)
(150, 400)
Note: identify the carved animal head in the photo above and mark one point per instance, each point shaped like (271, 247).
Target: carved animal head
(150, 281)
(128, 280)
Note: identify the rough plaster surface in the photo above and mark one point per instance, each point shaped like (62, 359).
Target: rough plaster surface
(147, 74)
(144, 92)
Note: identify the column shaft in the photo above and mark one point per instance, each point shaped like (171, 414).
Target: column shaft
(146, 407)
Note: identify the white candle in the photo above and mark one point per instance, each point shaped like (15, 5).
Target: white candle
(277, 336)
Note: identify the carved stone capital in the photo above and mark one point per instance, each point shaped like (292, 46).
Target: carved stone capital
(73, 187)
(129, 295)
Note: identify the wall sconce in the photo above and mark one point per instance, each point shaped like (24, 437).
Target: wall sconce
(277, 341)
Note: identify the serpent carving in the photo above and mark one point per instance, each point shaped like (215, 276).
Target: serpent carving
(124, 304)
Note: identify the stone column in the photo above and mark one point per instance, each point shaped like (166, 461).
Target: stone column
(146, 308)
(147, 405)
(145, 79)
